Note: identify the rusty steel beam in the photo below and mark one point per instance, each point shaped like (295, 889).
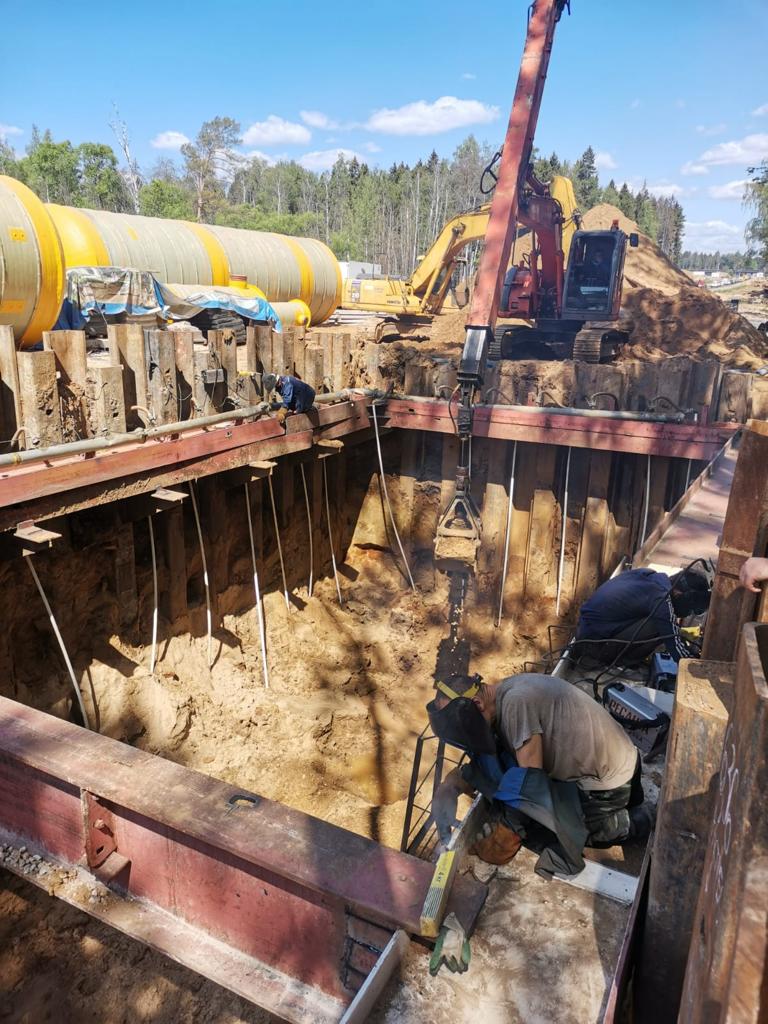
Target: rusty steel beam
(517, 423)
(279, 906)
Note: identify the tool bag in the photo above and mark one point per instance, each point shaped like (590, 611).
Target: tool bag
(645, 724)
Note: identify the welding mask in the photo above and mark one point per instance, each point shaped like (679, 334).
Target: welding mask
(691, 593)
(461, 724)
(269, 382)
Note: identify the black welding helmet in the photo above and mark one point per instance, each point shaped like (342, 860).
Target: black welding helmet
(692, 590)
(461, 724)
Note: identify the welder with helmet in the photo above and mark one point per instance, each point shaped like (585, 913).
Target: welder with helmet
(629, 616)
(296, 394)
(541, 750)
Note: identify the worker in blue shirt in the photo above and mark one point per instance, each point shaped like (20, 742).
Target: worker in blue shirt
(637, 611)
(296, 394)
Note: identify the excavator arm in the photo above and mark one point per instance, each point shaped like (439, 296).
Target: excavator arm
(458, 532)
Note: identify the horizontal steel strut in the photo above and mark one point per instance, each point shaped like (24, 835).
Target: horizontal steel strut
(281, 907)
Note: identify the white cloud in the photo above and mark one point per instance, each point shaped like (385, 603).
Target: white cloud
(749, 150)
(681, 104)
(276, 131)
(672, 191)
(468, 76)
(711, 129)
(371, 147)
(7, 130)
(317, 119)
(256, 154)
(324, 159)
(422, 118)
(693, 168)
(732, 190)
(169, 140)
(635, 104)
(713, 235)
(605, 162)
(760, 111)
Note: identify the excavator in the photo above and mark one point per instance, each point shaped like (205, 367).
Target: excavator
(568, 302)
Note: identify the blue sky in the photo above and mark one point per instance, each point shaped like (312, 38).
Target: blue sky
(673, 92)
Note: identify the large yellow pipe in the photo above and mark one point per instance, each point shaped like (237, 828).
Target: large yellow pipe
(38, 242)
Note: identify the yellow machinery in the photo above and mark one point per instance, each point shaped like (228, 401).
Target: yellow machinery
(426, 290)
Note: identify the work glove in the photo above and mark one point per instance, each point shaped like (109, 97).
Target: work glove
(444, 805)
(282, 416)
(451, 948)
(475, 777)
(496, 844)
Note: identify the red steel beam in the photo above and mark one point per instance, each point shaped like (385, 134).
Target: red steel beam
(517, 423)
(259, 886)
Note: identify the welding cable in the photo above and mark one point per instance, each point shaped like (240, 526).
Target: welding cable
(154, 595)
(55, 628)
(330, 534)
(257, 590)
(205, 569)
(309, 531)
(507, 533)
(386, 496)
(563, 529)
(647, 498)
(277, 537)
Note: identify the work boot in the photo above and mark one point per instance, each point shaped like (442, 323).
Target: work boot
(641, 820)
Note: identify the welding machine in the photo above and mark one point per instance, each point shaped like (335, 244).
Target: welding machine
(642, 721)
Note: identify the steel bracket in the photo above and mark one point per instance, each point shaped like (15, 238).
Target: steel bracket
(101, 854)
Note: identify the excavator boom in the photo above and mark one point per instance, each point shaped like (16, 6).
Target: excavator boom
(458, 532)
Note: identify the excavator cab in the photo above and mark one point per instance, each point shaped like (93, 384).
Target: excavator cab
(592, 286)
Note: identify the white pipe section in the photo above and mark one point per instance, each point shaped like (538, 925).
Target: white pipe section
(330, 533)
(257, 590)
(647, 499)
(309, 532)
(63, 649)
(507, 533)
(386, 496)
(205, 569)
(154, 596)
(563, 529)
(279, 545)
(687, 475)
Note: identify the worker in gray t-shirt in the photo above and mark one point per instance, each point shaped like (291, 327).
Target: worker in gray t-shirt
(543, 722)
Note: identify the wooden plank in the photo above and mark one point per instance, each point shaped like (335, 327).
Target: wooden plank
(174, 595)
(125, 575)
(162, 387)
(10, 396)
(299, 350)
(733, 405)
(590, 570)
(222, 352)
(106, 404)
(185, 371)
(738, 837)
(703, 698)
(69, 349)
(39, 398)
(313, 366)
(126, 347)
(201, 393)
(745, 533)
(525, 483)
(541, 560)
(289, 344)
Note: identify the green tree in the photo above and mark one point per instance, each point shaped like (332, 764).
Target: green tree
(166, 199)
(210, 161)
(101, 185)
(756, 200)
(8, 162)
(586, 184)
(51, 169)
(611, 194)
(645, 214)
(626, 201)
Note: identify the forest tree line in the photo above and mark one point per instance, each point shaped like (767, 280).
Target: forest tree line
(383, 215)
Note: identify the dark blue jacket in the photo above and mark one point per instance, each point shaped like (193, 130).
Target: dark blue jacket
(297, 396)
(625, 601)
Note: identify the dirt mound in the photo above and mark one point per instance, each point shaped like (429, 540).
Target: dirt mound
(691, 322)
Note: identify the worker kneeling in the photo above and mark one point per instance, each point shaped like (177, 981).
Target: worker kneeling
(296, 394)
(554, 764)
(632, 614)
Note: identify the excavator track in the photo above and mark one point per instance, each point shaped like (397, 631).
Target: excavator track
(587, 345)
